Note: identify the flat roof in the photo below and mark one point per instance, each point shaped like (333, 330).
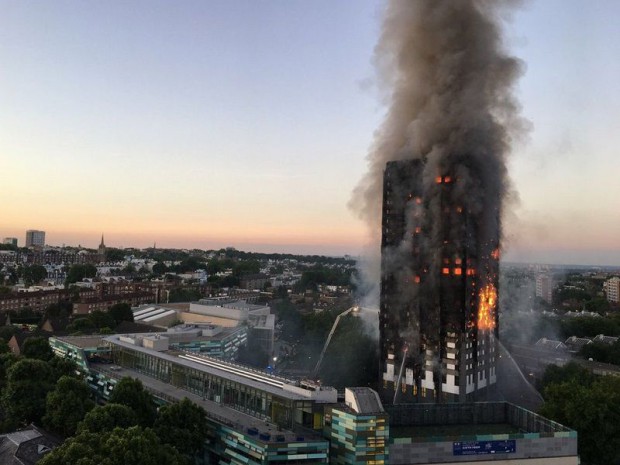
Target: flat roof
(216, 411)
(216, 367)
(452, 430)
(83, 342)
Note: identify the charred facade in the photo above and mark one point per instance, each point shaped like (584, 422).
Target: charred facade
(439, 278)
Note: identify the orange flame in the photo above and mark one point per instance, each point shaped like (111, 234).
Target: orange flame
(486, 307)
(495, 254)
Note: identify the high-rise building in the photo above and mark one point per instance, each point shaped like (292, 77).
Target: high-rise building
(35, 238)
(544, 287)
(10, 240)
(438, 305)
(612, 289)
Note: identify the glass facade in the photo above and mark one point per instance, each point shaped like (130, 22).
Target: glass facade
(228, 446)
(81, 351)
(225, 348)
(356, 439)
(284, 412)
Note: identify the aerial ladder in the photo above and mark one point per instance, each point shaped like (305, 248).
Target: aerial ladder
(355, 310)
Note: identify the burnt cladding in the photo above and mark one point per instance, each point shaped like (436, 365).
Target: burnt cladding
(438, 299)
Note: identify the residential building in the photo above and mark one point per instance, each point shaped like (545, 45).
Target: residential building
(612, 289)
(438, 318)
(37, 300)
(606, 339)
(26, 446)
(574, 344)
(35, 238)
(10, 241)
(89, 305)
(253, 281)
(550, 344)
(544, 287)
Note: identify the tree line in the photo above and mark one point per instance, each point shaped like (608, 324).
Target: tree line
(40, 388)
(590, 405)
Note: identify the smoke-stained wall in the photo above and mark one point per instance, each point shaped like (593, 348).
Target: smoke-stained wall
(451, 119)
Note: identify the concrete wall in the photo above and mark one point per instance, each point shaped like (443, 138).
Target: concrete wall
(556, 450)
(545, 461)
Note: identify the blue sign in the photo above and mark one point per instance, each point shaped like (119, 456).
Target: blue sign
(484, 447)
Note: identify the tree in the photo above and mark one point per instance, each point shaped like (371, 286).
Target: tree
(4, 347)
(133, 445)
(66, 405)
(571, 372)
(7, 332)
(28, 382)
(107, 417)
(593, 411)
(129, 269)
(121, 312)
(179, 294)
(598, 305)
(602, 352)
(82, 325)
(59, 309)
(131, 392)
(229, 281)
(78, 272)
(246, 267)
(159, 268)
(292, 324)
(37, 348)
(62, 367)
(114, 255)
(101, 319)
(34, 274)
(6, 361)
(184, 426)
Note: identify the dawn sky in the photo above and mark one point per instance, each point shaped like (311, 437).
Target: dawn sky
(243, 123)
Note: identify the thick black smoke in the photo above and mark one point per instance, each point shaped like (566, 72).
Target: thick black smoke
(448, 84)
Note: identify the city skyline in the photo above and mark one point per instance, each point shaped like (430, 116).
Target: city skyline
(241, 125)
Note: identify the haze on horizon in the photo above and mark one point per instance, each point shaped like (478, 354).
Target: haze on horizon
(219, 124)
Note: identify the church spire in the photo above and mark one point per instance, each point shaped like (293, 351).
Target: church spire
(102, 250)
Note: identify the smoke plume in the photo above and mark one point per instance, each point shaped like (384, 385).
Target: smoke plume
(448, 84)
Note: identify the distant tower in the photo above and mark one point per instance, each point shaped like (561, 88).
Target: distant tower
(10, 241)
(35, 238)
(544, 287)
(438, 311)
(101, 250)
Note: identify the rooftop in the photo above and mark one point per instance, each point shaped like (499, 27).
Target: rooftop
(469, 421)
(215, 411)
(363, 400)
(275, 385)
(83, 342)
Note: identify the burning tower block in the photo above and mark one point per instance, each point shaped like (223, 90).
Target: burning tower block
(439, 278)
